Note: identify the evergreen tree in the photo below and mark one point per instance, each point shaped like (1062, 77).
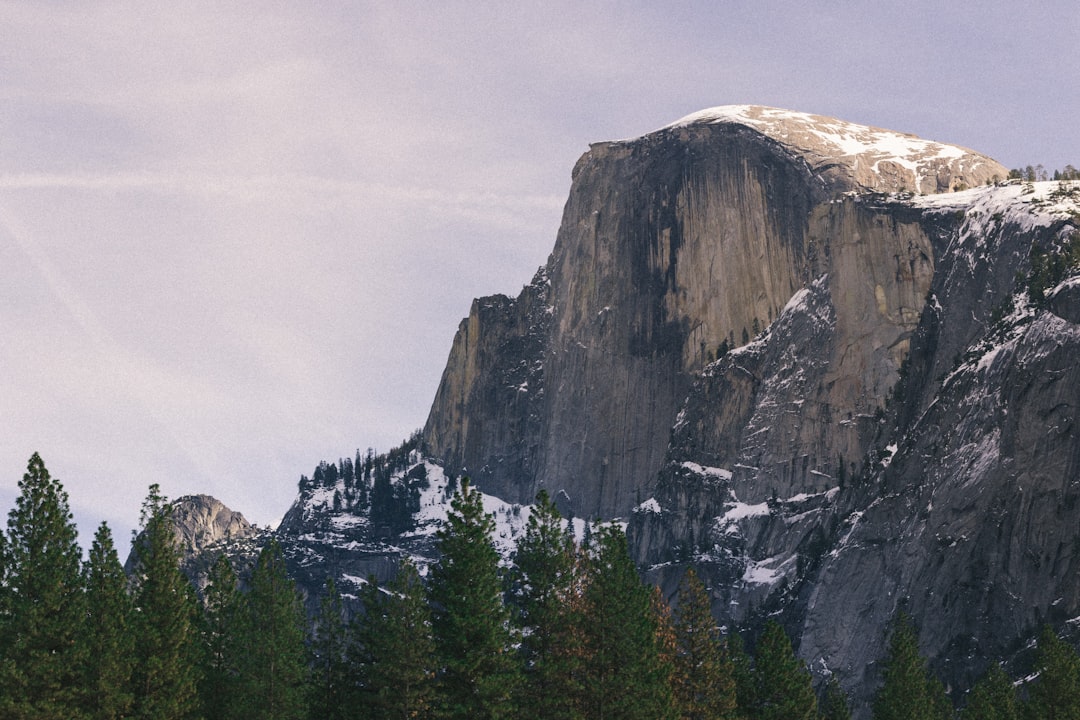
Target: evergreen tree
(704, 682)
(909, 692)
(834, 706)
(273, 657)
(329, 685)
(1056, 693)
(40, 650)
(543, 588)
(471, 622)
(785, 690)
(625, 678)
(221, 618)
(667, 644)
(393, 653)
(107, 633)
(742, 671)
(992, 698)
(166, 677)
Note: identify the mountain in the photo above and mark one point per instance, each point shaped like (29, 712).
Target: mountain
(833, 367)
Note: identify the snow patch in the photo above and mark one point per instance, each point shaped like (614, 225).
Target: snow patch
(708, 472)
(649, 506)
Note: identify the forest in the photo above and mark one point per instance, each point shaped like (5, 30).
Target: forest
(564, 630)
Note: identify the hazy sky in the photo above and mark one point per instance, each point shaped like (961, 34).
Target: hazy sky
(237, 239)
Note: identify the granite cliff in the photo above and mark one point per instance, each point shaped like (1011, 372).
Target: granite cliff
(833, 367)
(808, 358)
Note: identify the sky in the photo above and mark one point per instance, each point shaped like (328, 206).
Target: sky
(237, 238)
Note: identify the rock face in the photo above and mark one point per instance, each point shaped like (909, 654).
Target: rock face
(836, 397)
(792, 352)
(204, 528)
(673, 247)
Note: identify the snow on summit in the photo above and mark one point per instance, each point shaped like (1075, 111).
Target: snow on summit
(869, 158)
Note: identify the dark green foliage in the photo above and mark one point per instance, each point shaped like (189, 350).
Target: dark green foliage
(329, 683)
(271, 635)
(834, 705)
(1055, 695)
(625, 678)
(704, 682)
(166, 676)
(784, 688)
(221, 617)
(41, 658)
(107, 636)
(992, 698)
(392, 656)
(1050, 268)
(479, 671)
(543, 592)
(908, 692)
(742, 671)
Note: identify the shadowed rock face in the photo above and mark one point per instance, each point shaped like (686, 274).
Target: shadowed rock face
(835, 402)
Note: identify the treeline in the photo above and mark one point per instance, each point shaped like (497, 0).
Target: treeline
(366, 485)
(1030, 173)
(564, 631)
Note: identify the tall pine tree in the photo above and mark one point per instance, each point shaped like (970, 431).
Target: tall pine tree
(273, 657)
(166, 677)
(992, 698)
(473, 639)
(625, 675)
(909, 691)
(329, 683)
(544, 583)
(785, 690)
(393, 651)
(834, 706)
(107, 632)
(1055, 695)
(704, 681)
(222, 605)
(742, 670)
(41, 656)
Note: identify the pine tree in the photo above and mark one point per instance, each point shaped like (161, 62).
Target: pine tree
(785, 689)
(329, 685)
(471, 622)
(909, 692)
(41, 656)
(107, 632)
(273, 657)
(1056, 693)
(544, 582)
(834, 706)
(625, 678)
(992, 698)
(742, 670)
(393, 652)
(704, 683)
(221, 618)
(166, 677)
(667, 644)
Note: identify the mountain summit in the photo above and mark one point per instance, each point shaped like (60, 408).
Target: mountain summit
(859, 157)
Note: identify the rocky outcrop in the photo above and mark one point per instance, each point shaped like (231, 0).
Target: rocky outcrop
(485, 418)
(204, 528)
